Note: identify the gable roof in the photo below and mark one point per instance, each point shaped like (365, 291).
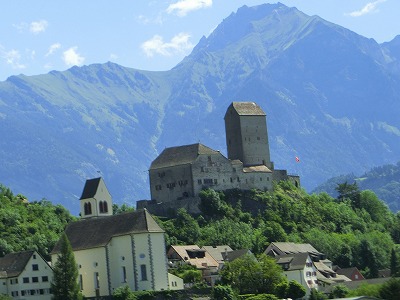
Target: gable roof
(289, 248)
(14, 263)
(181, 155)
(234, 254)
(296, 261)
(349, 272)
(199, 262)
(217, 252)
(247, 109)
(97, 232)
(90, 188)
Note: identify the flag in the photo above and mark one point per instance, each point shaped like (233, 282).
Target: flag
(297, 159)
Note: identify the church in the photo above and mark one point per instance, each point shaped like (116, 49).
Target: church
(179, 173)
(116, 250)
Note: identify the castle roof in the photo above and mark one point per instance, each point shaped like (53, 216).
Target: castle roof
(260, 168)
(12, 264)
(90, 188)
(181, 155)
(97, 232)
(247, 108)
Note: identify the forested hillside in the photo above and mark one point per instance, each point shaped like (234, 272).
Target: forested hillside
(28, 225)
(355, 229)
(384, 181)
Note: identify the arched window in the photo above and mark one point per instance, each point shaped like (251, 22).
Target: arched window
(87, 208)
(101, 207)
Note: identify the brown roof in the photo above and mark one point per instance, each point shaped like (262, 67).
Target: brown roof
(217, 252)
(14, 263)
(97, 232)
(90, 188)
(248, 109)
(181, 155)
(348, 272)
(199, 262)
(260, 168)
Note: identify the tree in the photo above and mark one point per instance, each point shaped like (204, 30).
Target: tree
(124, 293)
(65, 281)
(339, 291)
(223, 292)
(390, 290)
(394, 264)
(295, 290)
(316, 295)
(350, 192)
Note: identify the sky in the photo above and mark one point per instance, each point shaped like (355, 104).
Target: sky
(38, 36)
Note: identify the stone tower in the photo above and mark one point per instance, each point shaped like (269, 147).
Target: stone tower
(247, 135)
(95, 201)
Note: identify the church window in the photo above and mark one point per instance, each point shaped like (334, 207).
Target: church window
(80, 282)
(103, 207)
(88, 208)
(96, 280)
(143, 272)
(124, 274)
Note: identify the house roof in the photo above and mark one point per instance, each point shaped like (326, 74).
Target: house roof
(14, 263)
(234, 254)
(297, 261)
(217, 252)
(247, 108)
(181, 155)
(90, 188)
(289, 248)
(348, 272)
(97, 232)
(200, 263)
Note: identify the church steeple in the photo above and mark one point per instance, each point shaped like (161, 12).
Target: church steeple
(95, 201)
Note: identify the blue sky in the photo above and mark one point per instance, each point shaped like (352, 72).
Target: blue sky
(37, 36)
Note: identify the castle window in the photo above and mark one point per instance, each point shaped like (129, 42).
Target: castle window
(171, 185)
(185, 194)
(238, 179)
(231, 179)
(258, 138)
(208, 181)
(202, 169)
(215, 181)
(260, 178)
(158, 187)
(199, 181)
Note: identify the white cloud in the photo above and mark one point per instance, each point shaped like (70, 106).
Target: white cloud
(368, 8)
(178, 43)
(38, 26)
(72, 58)
(113, 57)
(182, 7)
(53, 48)
(13, 58)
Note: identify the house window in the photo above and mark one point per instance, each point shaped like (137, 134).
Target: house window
(35, 279)
(41, 291)
(96, 280)
(45, 279)
(25, 280)
(34, 256)
(356, 276)
(143, 272)
(22, 293)
(81, 282)
(309, 281)
(124, 274)
(308, 274)
(35, 267)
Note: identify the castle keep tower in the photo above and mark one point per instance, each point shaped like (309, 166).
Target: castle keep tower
(247, 135)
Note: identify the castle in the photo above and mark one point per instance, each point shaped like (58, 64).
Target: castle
(179, 173)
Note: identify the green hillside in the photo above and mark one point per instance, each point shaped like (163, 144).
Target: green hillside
(384, 181)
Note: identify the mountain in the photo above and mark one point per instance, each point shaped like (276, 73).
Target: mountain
(331, 96)
(384, 181)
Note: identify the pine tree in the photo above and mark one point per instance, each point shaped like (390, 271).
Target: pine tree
(65, 281)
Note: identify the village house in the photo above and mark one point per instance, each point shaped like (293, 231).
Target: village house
(194, 256)
(179, 173)
(25, 275)
(325, 274)
(299, 267)
(116, 250)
